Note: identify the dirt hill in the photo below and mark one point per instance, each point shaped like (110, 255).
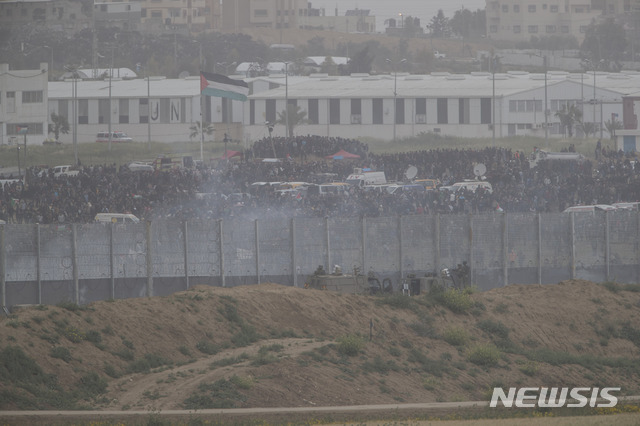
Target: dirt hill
(270, 345)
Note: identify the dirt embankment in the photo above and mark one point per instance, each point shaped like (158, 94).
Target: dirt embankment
(271, 346)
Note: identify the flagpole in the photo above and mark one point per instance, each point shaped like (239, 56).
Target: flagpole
(201, 128)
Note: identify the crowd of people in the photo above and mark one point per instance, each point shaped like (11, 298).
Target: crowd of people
(226, 190)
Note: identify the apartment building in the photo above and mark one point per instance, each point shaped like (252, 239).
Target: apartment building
(238, 14)
(519, 20)
(62, 15)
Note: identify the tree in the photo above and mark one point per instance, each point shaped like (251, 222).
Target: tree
(568, 117)
(439, 25)
(361, 61)
(195, 129)
(468, 24)
(328, 66)
(297, 116)
(611, 126)
(588, 128)
(59, 124)
(604, 42)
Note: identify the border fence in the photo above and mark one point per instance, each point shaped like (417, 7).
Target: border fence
(82, 263)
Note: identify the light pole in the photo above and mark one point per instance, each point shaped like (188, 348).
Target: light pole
(286, 98)
(493, 99)
(202, 105)
(74, 94)
(19, 171)
(395, 93)
(109, 115)
(270, 128)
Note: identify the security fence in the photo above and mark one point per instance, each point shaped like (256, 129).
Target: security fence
(83, 263)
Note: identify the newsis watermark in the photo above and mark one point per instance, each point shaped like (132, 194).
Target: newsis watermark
(553, 397)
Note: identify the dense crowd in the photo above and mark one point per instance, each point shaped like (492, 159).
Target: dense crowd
(217, 192)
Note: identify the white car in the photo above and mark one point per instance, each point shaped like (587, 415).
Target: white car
(140, 167)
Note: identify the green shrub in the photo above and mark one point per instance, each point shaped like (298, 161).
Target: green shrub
(456, 336)
(70, 306)
(144, 365)
(111, 371)
(428, 365)
(125, 354)
(61, 352)
(495, 328)
(484, 354)
(530, 368)
(184, 351)
(458, 301)
(93, 336)
(207, 347)
(91, 385)
(73, 334)
(350, 344)
(397, 301)
(246, 336)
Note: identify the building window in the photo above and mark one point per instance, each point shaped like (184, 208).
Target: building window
(485, 110)
(103, 111)
(493, 28)
(377, 111)
(443, 111)
(551, 29)
(32, 97)
(579, 9)
(313, 112)
(252, 111)
(399, 111)
(123, 109)
(83, 111)
(522, 106)
(143, 110)
(270, 111)
(517, 29)
(544, 6)
(463, 111)
(421, 110)
(505, 8)
(156, 14)
(553, 8)
(532, 29)
(356, 111)
(564, 29)
(334, 111)
(513, 106)
(583, 29)
(11, 102)
(259, 13)
(516, 8)
(532, 8)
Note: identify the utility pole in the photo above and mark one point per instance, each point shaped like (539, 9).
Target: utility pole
(395, 93)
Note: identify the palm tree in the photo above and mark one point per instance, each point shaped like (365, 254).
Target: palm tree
(297, 116)
(60, 124)
(195, 129)
(568, 117)
(588, 128)
(611, 126)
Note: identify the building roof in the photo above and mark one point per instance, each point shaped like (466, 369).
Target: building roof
(445, 85)
(435, 85)
(98, 72)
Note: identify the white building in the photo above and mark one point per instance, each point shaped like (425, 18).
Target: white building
(355, 106)
(170, 106)
(448, 104)
(23, 103)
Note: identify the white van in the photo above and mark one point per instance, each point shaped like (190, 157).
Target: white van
(115, 137)
(116, 218)
(472, 185)
(362, 177)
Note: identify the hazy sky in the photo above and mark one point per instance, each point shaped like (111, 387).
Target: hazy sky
(385, 9)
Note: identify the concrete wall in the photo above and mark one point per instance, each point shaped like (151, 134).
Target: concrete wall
(84, 263)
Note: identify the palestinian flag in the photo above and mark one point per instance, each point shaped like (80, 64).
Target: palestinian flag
(221, 86)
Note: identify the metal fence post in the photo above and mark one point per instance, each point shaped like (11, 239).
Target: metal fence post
(400, 246)
(572, 222)
(436, 241)
(505, 250)
(363, 226)
(294, 263)
(473, 269)
(3, 270)
(112, 273)
(327, 243)
(149, 260)
(607, 248)
(221, 253)
(185, 239)
(257, 242)
(74, 263)
(539, 249)
(38, 259)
